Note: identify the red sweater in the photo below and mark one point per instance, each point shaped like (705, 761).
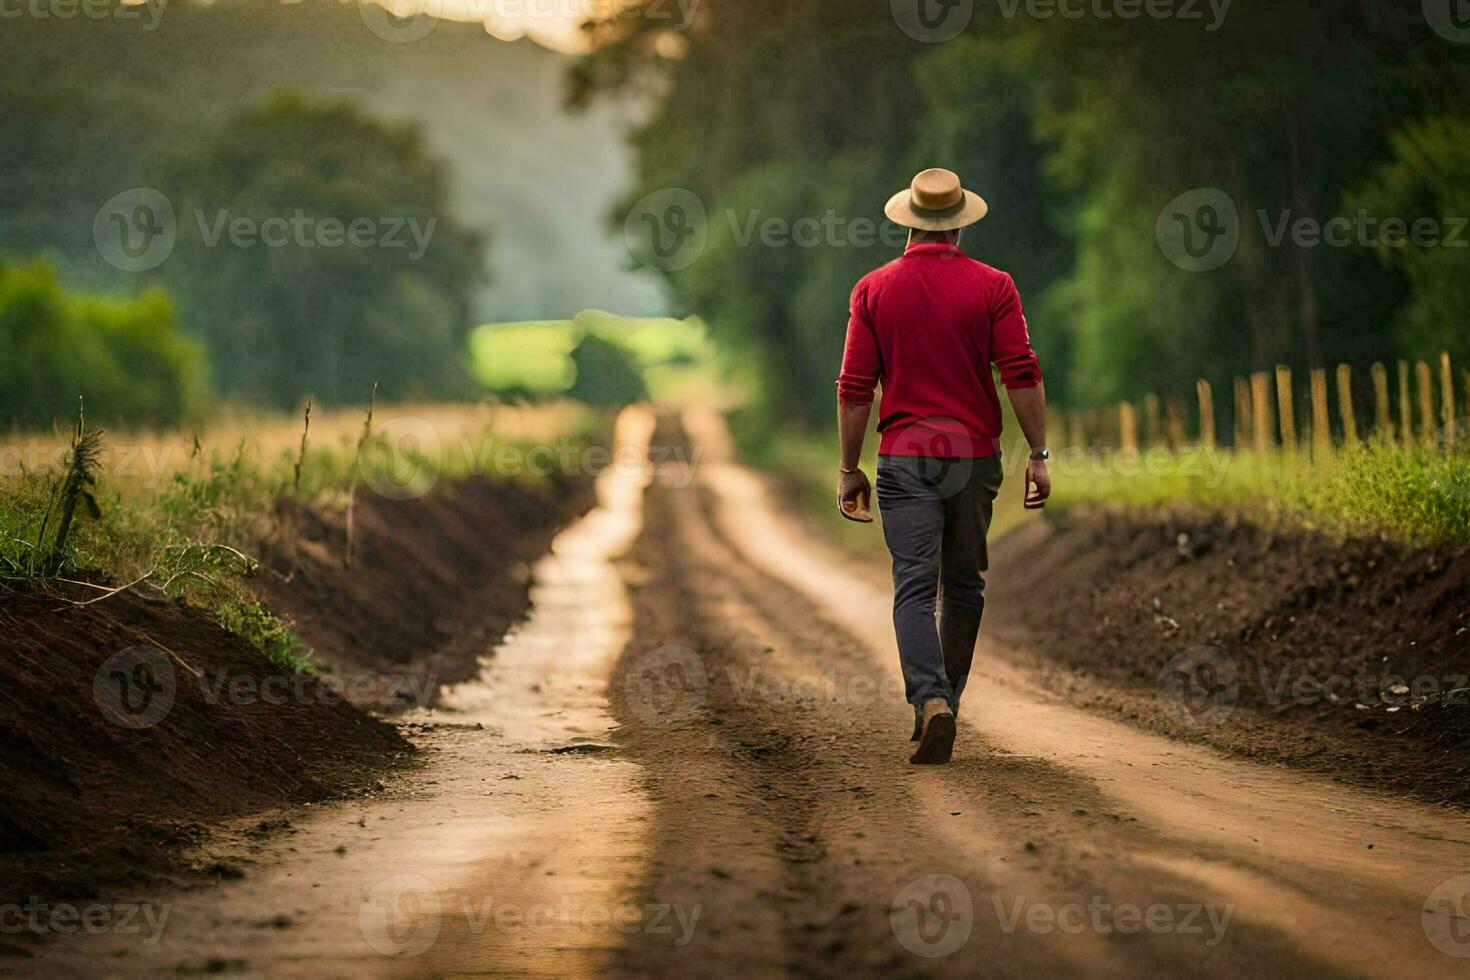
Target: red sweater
(928, 325)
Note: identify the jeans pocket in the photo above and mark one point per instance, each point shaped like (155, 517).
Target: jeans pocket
(890, 481)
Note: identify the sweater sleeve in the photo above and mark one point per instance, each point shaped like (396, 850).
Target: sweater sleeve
(862, 363)
(1010, 340)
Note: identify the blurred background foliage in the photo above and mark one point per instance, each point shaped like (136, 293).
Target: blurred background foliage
(1079, 132)
(124, 353)
(256, 109)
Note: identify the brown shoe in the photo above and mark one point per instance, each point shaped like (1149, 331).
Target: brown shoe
(936, 744)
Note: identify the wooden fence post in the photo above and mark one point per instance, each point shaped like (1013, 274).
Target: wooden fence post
(1406, 424)
(1078, 434)
(1127, 428)
(1382, 426)
(1174, 425)
(1286, 408)
(1243, 412)
(1321, 420)
(1447, 400)
(1151, 427)
(1206, 412)
(1106, 424)
(1261, 410)
(1426, 401)
(1345, 404)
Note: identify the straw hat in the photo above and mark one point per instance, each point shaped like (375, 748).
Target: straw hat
(935, 201)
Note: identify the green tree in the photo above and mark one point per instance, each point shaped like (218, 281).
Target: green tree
(606, 374)
(1080, 131)
(323, 313)
(123, 355)
(1428, 178)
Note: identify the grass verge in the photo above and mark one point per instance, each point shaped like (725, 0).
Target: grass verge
(190, 529)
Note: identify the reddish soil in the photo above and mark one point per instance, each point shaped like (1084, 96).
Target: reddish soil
(1113, 596)
(419, 567)
(94, 807)
(91, 804)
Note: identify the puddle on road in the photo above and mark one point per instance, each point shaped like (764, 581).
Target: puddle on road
(505, 858)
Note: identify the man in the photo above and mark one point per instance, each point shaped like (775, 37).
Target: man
(928, 326)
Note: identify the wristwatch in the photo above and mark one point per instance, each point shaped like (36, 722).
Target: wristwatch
(1041, 455)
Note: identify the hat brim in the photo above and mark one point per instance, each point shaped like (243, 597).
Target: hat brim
(901, 211)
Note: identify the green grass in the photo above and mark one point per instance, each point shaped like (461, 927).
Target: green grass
(191, 536)
(1422, 496)
(1419, 496)
(534, 358)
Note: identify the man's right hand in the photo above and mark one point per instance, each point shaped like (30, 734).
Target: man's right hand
(855, 497)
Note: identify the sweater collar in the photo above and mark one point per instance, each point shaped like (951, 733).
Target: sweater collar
(933, 248)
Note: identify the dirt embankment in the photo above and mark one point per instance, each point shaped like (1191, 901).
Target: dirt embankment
(1346, 656)
(435, 581)
(127, 726)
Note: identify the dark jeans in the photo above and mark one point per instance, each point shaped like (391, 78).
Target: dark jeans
(936, 513)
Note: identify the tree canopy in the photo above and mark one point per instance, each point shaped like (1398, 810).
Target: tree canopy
(1087, 135)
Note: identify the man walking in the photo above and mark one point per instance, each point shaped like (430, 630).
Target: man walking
(927, 327)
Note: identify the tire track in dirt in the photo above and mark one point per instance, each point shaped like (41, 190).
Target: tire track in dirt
(512, 850)
(794, 725)
(1286, 852)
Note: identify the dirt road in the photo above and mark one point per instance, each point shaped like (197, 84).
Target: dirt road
(691, 760)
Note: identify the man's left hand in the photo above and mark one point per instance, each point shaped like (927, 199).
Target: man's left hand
(1038, 484)
(855, 497)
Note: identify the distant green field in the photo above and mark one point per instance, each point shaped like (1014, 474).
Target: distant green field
(535, 359)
